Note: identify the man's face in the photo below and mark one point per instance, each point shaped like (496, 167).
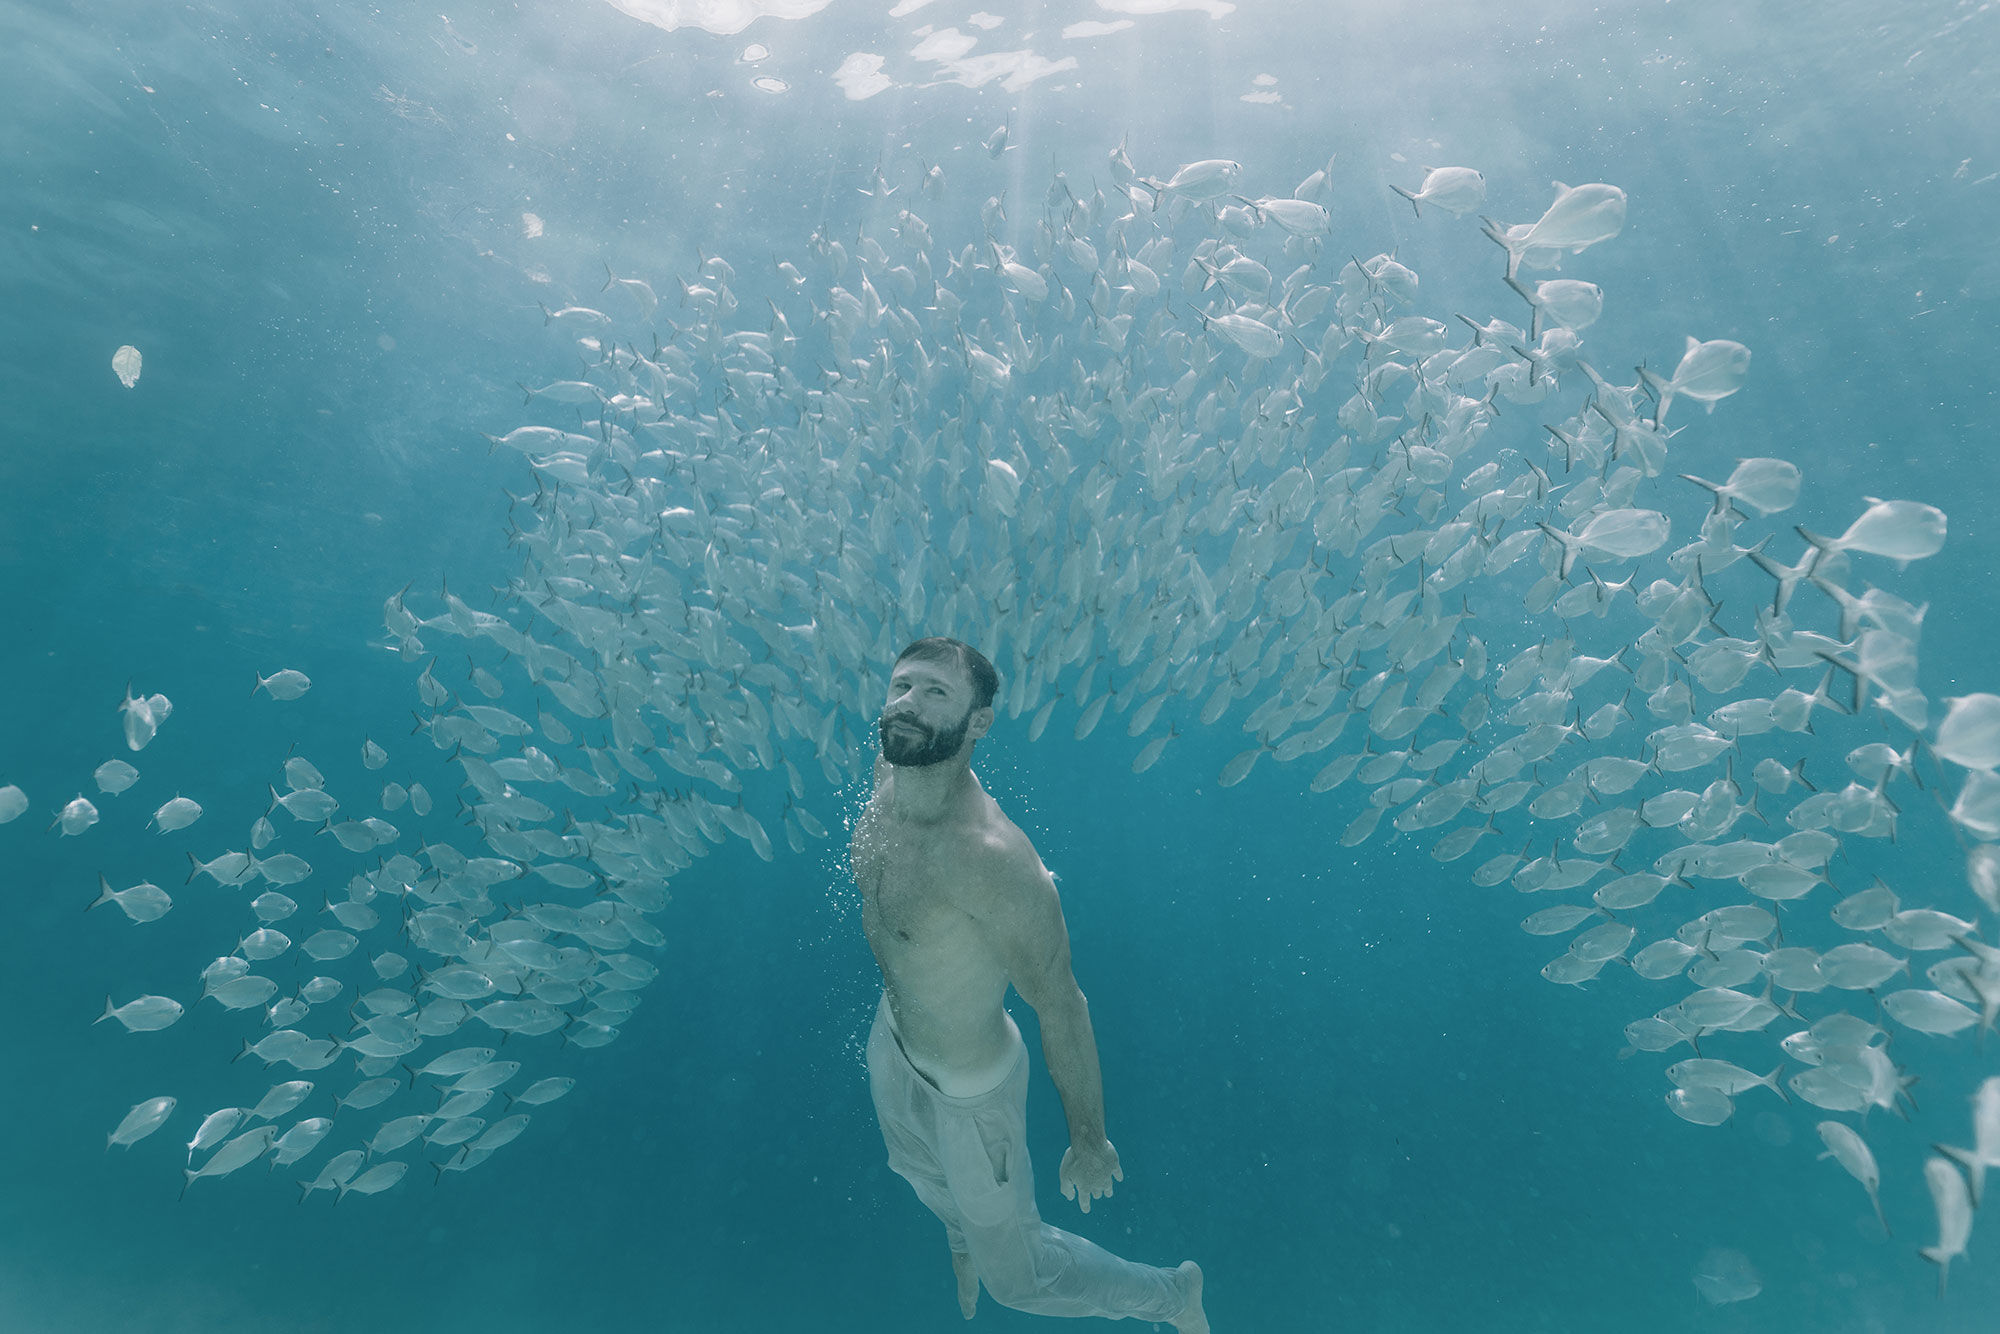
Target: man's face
(927, 714)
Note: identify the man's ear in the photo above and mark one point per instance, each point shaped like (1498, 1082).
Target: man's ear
(982, 722)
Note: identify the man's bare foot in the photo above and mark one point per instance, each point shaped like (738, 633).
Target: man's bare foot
(1192, 1319)
(968, 1284)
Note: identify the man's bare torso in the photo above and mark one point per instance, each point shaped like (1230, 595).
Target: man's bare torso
(945, 983)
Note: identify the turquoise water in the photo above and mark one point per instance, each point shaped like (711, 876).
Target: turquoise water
(1332, 1073)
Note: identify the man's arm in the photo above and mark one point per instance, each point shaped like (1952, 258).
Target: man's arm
(1021, 915)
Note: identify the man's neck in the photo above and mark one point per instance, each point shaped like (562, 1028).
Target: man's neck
(928, 793)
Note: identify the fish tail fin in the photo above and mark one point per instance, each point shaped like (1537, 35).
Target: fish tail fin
(194, 867)
(1412, 198)
(104, 894)
(109, 1010)
(1940, 1257)
(1822, 544)
(1758, 558)
(190, 1174)
(1496, 233)
(1967, 1159)
(1713, 488)
(1568, 548)
(1662, 391)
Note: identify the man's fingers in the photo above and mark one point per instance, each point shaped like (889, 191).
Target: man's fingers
(1117, 1174)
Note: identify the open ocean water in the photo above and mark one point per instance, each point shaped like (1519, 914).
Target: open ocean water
(1332, 1072)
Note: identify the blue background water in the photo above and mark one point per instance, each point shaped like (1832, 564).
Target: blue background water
(1333, 1076)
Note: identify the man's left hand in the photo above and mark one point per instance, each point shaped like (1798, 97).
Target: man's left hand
(1087, 1172)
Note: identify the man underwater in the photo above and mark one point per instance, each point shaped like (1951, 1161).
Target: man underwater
(956, 905)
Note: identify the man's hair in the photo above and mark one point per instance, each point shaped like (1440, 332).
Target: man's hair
(937, 648)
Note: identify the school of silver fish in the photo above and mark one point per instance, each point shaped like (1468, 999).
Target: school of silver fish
(1170, 455)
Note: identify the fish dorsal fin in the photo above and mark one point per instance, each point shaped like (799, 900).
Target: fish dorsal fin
(1693, 343)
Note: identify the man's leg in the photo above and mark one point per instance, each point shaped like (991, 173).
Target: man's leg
(908, 1127)
(967, 1275)
(1025, 1263)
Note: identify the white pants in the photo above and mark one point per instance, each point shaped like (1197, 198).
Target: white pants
(967, 1158)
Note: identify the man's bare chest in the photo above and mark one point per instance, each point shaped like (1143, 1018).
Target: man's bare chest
(904, 895)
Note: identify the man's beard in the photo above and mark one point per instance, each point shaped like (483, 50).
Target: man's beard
(913, 745)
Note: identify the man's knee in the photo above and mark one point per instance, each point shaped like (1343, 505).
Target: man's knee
(1012, 1287)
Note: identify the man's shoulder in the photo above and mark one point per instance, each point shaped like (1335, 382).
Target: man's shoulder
(1003, 861)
